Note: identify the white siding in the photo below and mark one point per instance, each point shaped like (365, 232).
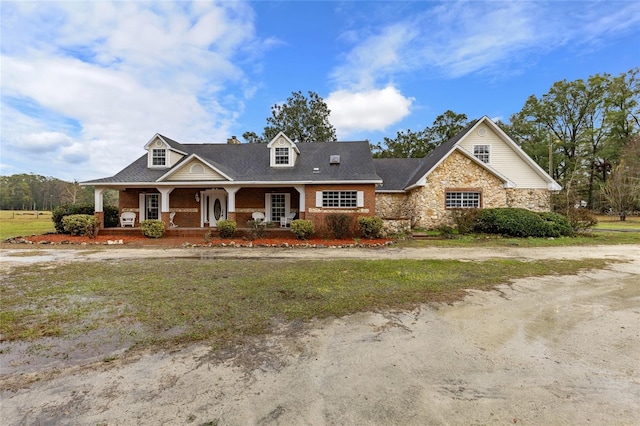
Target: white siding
(189, 173)
(174, 157)
(504, 159)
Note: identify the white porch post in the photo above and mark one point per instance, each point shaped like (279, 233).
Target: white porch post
(98, 199)
(302, 204)
(231, 201)
(164, 200)
(231, 191)
(164, 205)
(98, 205)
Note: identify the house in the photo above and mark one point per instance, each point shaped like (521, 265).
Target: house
(197, 185)
(479, 167)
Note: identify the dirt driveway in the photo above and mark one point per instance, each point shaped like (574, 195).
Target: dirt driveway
(554, 350)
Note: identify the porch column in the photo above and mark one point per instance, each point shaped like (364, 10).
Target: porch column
(302, 204)
(164, 205)
(98, 203)
(231, 201)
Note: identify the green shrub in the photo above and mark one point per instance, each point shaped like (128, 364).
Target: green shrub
(258, 228)
(558, 224)
(302, 228)
(370, 226)
(340, 225)
(111, 217)
(515, 222)
(80, 224)
(227, 228)
(464, 219)
(445, 231)
(68, 209)
(152, 228)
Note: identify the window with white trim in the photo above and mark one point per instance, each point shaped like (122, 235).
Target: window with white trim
(482, 153)
(462, 199)
(282, 156)
(159, 157)
(340, 199)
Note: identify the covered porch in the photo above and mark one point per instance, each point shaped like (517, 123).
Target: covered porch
(191, 209)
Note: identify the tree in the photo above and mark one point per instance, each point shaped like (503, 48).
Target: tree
(622, 189)
(406, 145)
(447, 125)
(302, 119)
(411, 144)
(581, 126)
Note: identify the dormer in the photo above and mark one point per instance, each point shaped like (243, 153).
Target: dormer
(282, 151)
(162, 152)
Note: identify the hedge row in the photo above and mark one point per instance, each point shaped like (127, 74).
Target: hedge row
(515, 222)
(110, 215)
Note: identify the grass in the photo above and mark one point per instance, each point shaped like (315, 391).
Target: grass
(613, 223)
(161, 302)
(592, 238)
(23, 223)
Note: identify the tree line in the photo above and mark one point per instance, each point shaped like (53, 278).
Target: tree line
(585, 133)
(35, 192)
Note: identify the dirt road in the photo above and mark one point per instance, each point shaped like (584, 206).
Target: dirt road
(554, 350)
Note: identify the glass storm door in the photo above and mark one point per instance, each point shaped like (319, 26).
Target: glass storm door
(152, 206)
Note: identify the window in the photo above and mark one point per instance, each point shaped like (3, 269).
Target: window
(278, 206)
(482, 153)
(462, 200)
(152, 204)
(340, 199)
(282, 155)
(159, 157)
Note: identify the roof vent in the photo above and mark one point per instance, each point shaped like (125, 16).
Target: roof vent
(316, 170)
(334, 159)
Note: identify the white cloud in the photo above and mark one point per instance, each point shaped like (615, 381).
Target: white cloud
(455, 39)
(119, 72)
(43, 142)
(370, 110)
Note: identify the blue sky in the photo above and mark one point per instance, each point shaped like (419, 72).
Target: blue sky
(86, 84)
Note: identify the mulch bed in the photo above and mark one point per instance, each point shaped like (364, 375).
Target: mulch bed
(142, 241)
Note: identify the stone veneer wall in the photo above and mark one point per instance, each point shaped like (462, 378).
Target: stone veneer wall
(424, 207)
(456, 172)
(537, 200)
(396, 211)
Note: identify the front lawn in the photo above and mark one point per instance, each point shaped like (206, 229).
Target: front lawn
(161, 301)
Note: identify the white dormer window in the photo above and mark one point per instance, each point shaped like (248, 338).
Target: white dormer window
(282, 151)
(282, 156)
(159, 157)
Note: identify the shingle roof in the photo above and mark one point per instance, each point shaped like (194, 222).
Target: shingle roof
(250, 163)
(396, 172)
(435, 156)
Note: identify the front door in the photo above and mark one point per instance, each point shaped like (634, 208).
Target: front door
(214, 208)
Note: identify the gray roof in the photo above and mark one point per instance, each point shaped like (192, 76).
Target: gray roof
(440, 152)
(250, 163)
(400, 173)
(396, 172)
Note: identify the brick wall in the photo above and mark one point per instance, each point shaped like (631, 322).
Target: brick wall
(249, 200)
(317, 214)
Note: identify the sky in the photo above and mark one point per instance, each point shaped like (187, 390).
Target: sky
(86, 84)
